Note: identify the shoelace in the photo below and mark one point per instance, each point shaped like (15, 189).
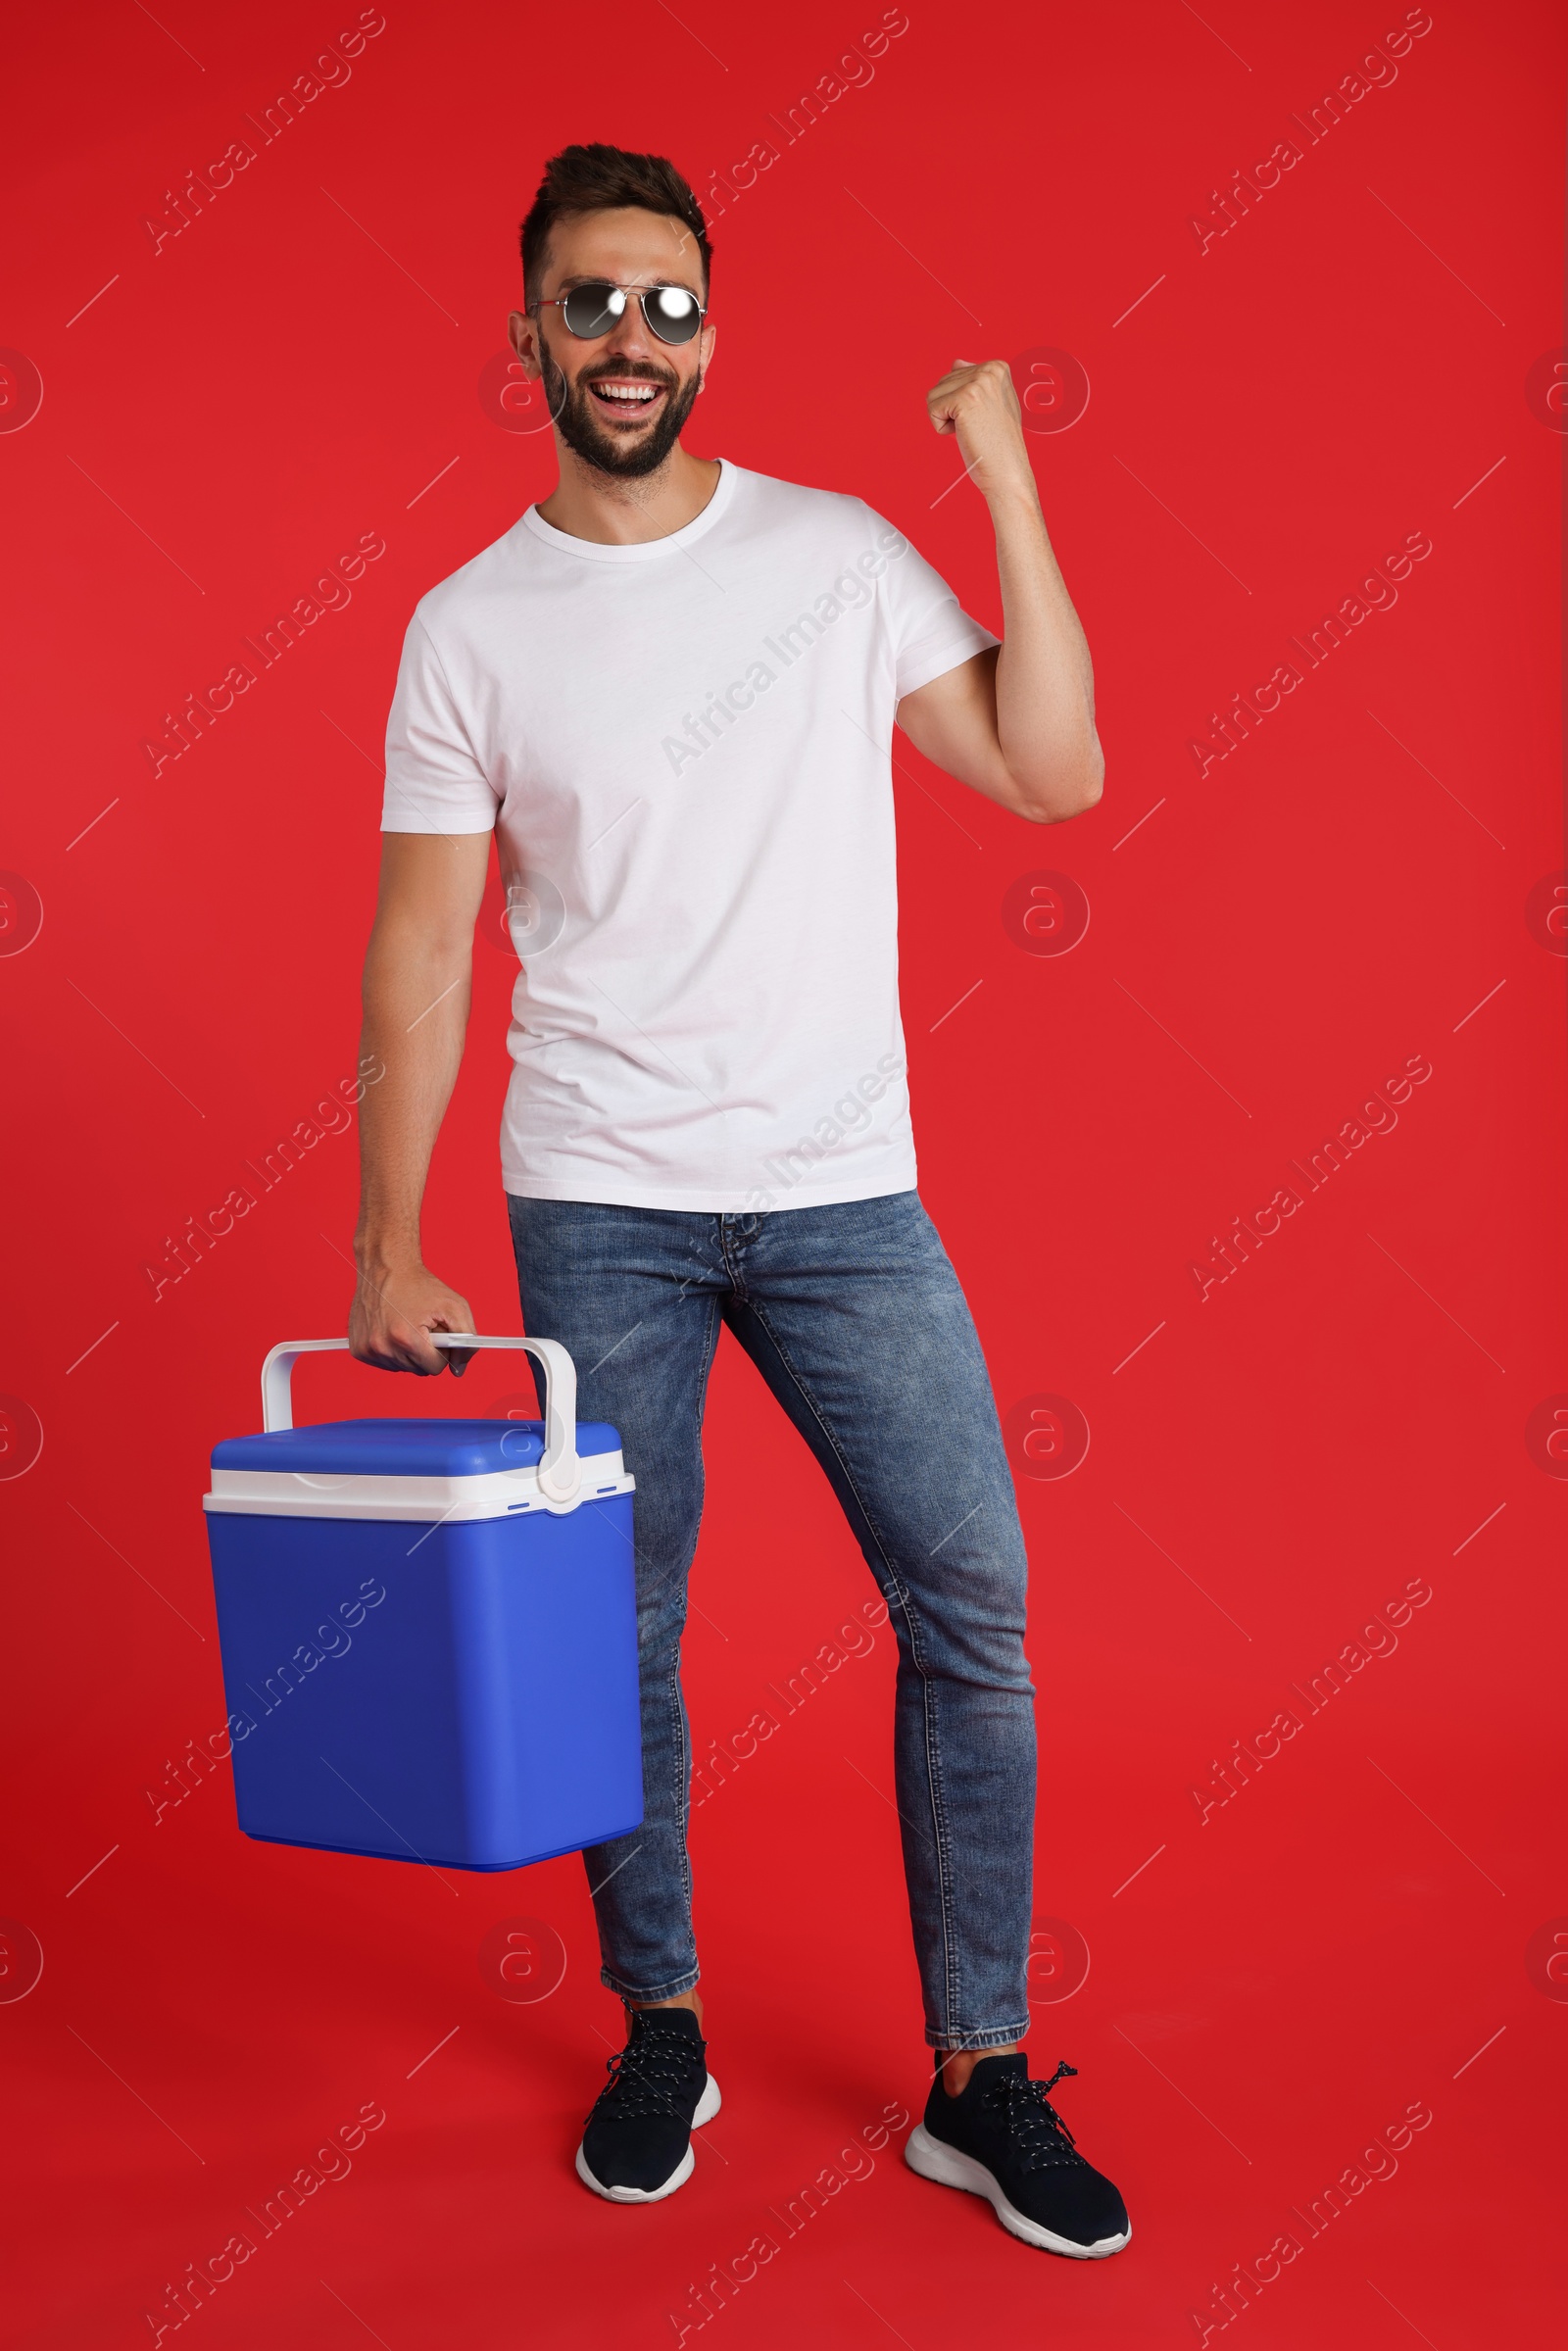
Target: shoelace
(652, 2074)
(1029, 2117)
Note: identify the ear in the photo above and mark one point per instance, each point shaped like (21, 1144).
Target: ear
(523, 333)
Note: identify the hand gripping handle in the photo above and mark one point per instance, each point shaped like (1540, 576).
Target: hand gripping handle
(560, 1470)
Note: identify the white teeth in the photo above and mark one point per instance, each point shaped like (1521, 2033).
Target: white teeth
(629, 394)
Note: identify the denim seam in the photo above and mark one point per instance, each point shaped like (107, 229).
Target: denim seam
(730, 1256)
(683, 1767)
(707, 1271)
(660, 1991)
(997, 2038)
(941, 1846)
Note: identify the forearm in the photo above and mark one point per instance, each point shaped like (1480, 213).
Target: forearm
(416, 1015)
(1018, 724)
(1045, 679)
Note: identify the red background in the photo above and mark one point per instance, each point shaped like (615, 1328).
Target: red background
(226, 415)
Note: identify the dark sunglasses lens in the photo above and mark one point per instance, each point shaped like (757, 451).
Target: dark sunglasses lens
(672, 314)
(593, 310)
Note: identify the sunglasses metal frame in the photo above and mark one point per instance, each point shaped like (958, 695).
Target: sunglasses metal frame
(633, 292)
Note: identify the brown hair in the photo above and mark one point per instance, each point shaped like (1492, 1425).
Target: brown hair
(598, 179)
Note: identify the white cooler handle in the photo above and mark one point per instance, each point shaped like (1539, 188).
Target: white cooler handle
(560, 1470)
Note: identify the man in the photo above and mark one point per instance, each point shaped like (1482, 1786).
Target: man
(670, 691)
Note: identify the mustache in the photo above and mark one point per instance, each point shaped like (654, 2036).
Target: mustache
(630, 370)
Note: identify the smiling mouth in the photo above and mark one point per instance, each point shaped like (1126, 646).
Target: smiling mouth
(627, 396)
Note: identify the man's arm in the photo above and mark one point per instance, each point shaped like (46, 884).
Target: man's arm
(1017, 721)
(418, 970)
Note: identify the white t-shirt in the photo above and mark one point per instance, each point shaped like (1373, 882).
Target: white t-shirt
(684, 749)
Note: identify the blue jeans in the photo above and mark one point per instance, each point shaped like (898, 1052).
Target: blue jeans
(855, 1319)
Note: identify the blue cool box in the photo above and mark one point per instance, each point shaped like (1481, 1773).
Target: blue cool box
(431, 1627)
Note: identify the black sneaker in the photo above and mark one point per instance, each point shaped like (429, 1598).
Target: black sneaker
(1001, 2138)
(637, 2142)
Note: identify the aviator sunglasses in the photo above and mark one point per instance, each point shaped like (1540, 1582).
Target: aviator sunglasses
(671, 313)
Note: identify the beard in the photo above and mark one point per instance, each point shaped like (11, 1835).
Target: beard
(576, 418)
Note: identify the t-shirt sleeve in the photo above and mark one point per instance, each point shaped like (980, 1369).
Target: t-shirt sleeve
(931, 631)
(434, 782)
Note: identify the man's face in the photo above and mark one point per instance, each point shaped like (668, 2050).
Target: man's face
(617, 400)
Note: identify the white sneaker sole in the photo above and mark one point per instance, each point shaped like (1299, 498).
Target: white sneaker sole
(708, 2105)
(933, 2159)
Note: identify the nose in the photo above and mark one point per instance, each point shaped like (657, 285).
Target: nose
(629, 339)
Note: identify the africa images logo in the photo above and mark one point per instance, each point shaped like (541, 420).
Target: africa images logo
(852, 590)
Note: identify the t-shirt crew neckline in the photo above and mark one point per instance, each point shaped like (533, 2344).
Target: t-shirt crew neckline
(644, 550)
